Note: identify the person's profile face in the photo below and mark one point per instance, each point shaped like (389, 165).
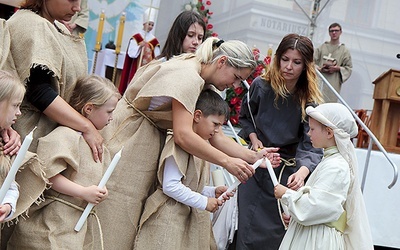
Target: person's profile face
(207, 126)
(193, 38)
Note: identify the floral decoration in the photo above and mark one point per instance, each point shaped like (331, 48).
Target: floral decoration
(202, 7)
(234, 96)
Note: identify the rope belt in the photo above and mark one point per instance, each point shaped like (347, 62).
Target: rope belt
(81, 209)
(143, 114)
(286, 163)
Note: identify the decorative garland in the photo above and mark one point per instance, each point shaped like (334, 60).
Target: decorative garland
(203, 9)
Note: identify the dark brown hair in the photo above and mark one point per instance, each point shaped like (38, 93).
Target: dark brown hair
(178, 32)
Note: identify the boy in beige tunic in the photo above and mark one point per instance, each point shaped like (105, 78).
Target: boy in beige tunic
(175, 215)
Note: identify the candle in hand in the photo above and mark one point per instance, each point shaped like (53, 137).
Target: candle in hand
(237, 183)
(102, 18)
(102, 183)
(120, 33)
(16, 165)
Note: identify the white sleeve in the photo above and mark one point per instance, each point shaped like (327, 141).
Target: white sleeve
(133, 49)
(209, 191)
(173, 187)
(157, 51)
(11, 198)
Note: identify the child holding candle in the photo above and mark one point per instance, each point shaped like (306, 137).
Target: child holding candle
(11, 95)
(29, 182)
(73, 175)
(329, 211)
(142, 48)
(175, 215)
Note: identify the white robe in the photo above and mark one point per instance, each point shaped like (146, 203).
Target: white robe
(320, 201)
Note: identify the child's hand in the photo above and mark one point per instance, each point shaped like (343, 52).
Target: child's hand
(5, 210)
(213, 204)
(220, 190)
(286, 219)
(93, 194)
(279, 190)
(296, 180)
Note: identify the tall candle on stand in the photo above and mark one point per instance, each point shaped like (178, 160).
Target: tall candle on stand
(102, 183)
(16, 165)
(120, 33)
(102, 18)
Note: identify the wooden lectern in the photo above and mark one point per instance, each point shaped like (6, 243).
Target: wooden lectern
(385, 117)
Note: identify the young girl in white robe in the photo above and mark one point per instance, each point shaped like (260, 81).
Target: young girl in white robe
(328, 212)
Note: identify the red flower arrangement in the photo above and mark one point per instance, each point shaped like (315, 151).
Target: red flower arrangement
(234, 96)
(202, 7)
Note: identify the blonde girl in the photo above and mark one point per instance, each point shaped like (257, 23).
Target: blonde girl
(74, 176)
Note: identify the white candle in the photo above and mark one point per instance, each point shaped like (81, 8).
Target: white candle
(16, 165)
(275, 182)
(218, 178)
(234, 133)
(102, 183)
(271, 173)
(237, 182)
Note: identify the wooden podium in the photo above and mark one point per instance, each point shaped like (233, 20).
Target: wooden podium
(385, 117)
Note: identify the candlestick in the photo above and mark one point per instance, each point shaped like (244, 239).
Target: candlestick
(102, 17)
(237, 182)
(120, 33)
(16, 165)
(102, 183)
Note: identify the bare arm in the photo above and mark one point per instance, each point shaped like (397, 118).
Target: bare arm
(194, 144)
(61, 112)
(92, 194)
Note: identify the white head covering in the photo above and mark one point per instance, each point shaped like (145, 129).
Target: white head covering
(149, 15)
(336, 116)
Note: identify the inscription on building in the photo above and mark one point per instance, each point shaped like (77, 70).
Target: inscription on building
(267, 23)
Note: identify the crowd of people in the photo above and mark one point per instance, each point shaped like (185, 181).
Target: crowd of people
(168, 121)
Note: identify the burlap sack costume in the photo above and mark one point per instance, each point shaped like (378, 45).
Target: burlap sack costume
(38, 43)
(4, 42)
(31, 184)
(135, 175)
(51, 226)
(169, 224)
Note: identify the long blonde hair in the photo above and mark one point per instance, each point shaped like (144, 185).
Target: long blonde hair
(10, 88)
(307, 89)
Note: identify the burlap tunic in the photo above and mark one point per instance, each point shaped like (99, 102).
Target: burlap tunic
(135, 175)
(51, 225)
(4, 42)
(169, 224)
(31, 184)
(38, 43)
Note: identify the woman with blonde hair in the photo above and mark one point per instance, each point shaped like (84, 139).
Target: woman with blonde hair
(275, 117)
(163, 96)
